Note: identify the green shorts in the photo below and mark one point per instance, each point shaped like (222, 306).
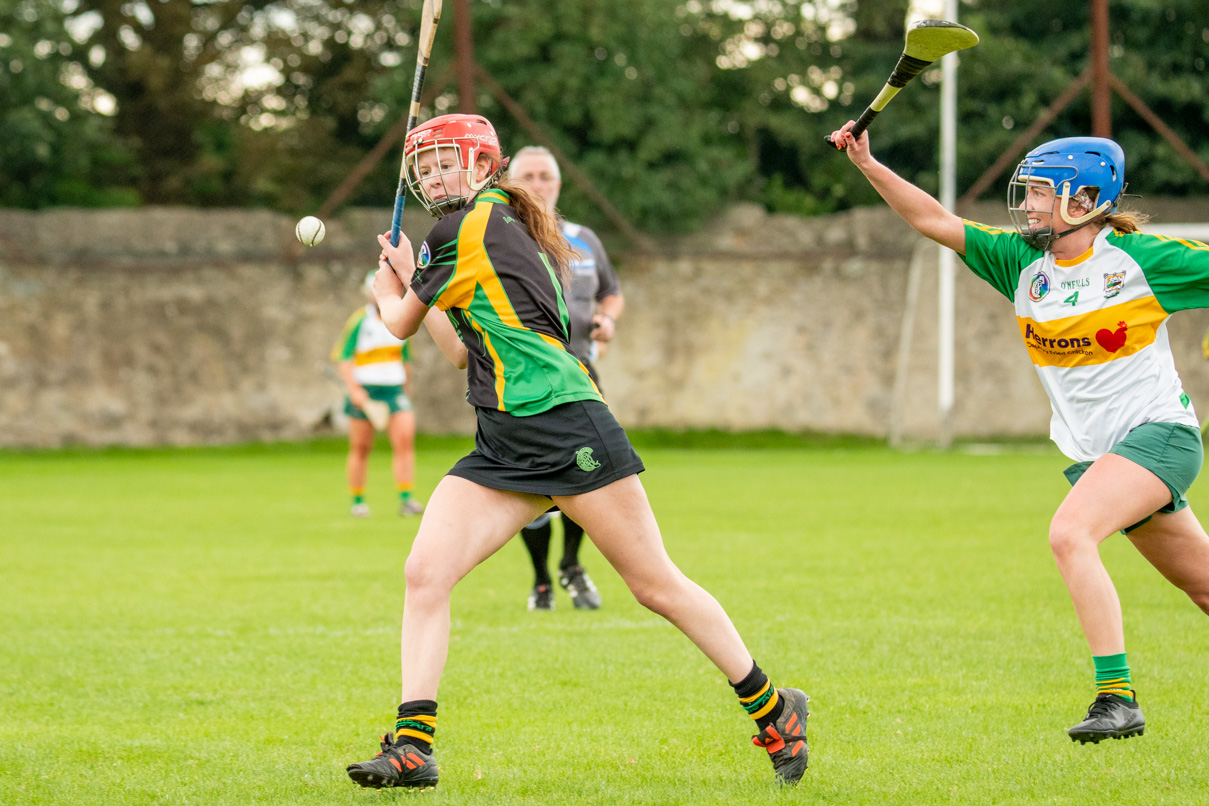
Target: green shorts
(392, 396)
(1171, 451)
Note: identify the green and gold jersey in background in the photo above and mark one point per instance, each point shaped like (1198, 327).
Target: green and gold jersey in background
(481, 267)
(378, 358)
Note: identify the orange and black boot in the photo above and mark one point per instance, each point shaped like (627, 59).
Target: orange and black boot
(400, 763)
(785, 739)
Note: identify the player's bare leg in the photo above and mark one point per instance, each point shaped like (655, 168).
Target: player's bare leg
(360, 443)
(619, 520)
(402, 433)
(465, 523)
(1092, 511)
(1176, 544)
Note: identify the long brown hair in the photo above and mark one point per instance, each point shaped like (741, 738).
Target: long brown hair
(1126, 221)
(542, 226)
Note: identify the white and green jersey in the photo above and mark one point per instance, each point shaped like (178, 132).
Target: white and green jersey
(377, 356)
(1096, 327)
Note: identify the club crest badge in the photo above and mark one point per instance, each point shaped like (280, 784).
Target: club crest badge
(425, 256)
(1113, 283)
(587, 463)
(1038, 287)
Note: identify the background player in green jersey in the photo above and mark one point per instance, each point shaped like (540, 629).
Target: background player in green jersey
(1102, 354)
(374, 366)
(495, 263)
(594, 303)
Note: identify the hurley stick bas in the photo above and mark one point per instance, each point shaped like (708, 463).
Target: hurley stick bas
(926, 42)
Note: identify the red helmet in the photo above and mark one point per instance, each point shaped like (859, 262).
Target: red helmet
(462, 138)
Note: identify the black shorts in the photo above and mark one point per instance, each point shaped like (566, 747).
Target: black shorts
(571, 449)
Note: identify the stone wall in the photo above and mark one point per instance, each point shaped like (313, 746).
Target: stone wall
(181, 326)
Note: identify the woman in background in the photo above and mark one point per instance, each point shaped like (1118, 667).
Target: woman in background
(374, 366)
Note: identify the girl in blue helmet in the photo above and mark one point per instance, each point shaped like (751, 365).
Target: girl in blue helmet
(1119, 410)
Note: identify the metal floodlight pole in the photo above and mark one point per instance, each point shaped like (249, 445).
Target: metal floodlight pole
(1101, 93)
(463, 45)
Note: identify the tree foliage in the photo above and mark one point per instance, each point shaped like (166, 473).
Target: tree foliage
(53, 148)
(672, 107)
(1035, 48)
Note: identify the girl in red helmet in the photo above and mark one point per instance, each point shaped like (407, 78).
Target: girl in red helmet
(496, 265)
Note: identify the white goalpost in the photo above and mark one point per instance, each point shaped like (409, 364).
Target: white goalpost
(948, 198)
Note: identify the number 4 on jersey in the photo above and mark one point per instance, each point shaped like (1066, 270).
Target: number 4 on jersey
(1073, 299)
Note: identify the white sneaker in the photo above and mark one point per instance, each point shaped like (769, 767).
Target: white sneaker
(359, 511)
(412, 507)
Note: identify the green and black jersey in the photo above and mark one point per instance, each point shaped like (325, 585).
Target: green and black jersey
(481, 267)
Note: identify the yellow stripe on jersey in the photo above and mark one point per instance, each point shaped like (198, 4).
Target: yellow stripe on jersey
(472, 251)
(984, 228)
(594, 386)
(496, 363)
(1190, 244)
(1094, 338)
(553, 342)
(379, 355)
(472, 260)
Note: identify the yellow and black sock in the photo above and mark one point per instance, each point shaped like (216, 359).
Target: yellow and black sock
(758, 697)
(1112, 675)
(417, 723)
(358, 494)
(405, 489)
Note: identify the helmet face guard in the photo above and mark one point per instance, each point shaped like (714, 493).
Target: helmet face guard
(439, 159)
(1088, 169)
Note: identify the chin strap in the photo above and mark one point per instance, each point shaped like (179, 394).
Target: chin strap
(1072, 230)
(1045, 238)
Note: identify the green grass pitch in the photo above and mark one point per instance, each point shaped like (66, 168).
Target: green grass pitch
(209, 626)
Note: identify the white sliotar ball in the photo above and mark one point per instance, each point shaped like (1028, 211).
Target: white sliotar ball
(309, 230)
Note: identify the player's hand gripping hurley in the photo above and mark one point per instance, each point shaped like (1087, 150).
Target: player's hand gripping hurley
(429, 18)
(927, 41)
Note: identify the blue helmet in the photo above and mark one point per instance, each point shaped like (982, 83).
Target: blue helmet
(1068, 165)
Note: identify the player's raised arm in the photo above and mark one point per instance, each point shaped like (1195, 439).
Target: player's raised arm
(924, 213)
(402, 310)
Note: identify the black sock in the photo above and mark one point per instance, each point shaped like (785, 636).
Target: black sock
(417, 724)
(758, 697)
(573, 535)
(537, 540)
